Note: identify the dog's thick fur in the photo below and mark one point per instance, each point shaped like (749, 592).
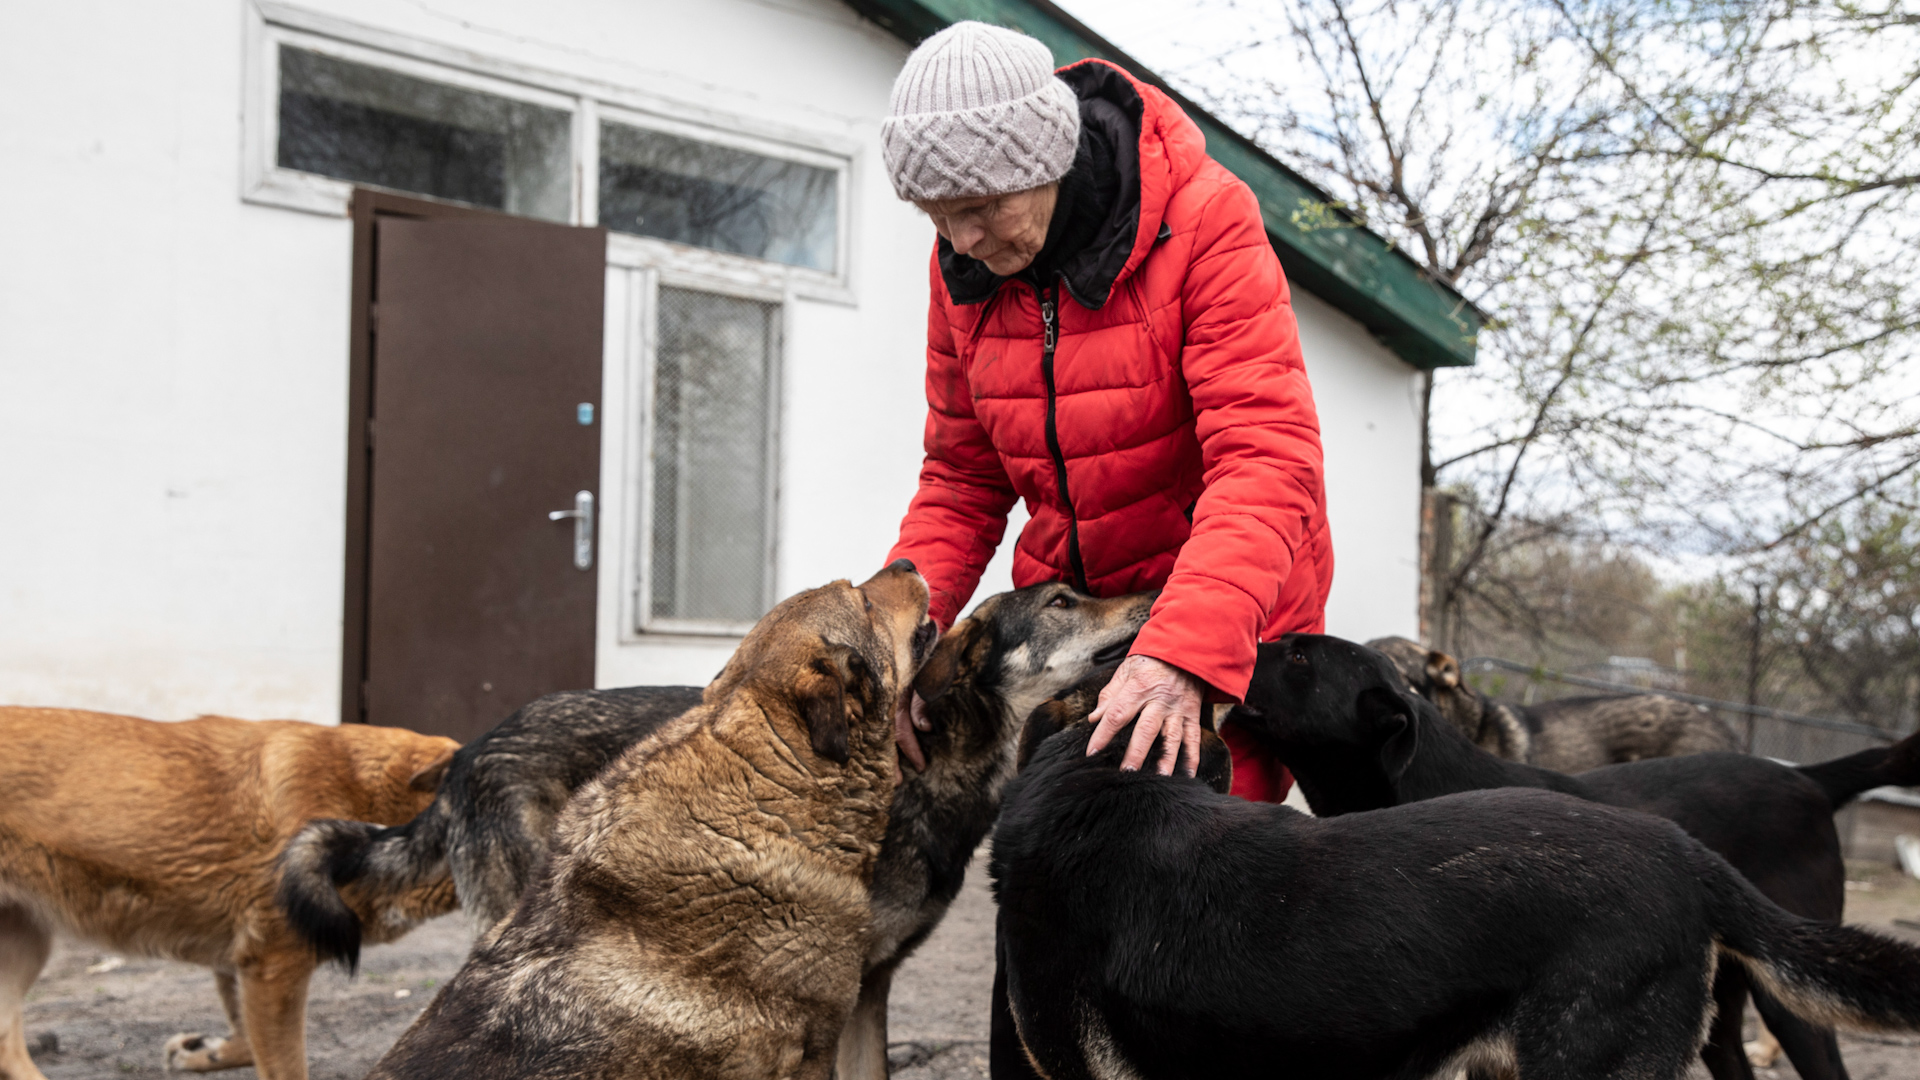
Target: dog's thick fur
(1569, 735)
(487, 829)
(490, 824)
(161, 839)
(993, 668)
(1152, 927)
(704, 901)
(1342, 720)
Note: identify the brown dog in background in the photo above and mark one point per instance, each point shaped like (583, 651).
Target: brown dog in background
(703, 909)
(163, 839)
(1568, 735)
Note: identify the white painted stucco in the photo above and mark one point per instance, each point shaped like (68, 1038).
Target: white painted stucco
(1369, 402)
(173, 359)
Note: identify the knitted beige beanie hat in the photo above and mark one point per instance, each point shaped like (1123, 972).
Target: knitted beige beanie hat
(977, 111)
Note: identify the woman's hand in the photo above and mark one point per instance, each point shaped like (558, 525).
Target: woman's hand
(1166, 701)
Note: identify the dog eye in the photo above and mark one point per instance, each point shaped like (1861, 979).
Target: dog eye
(1064, 600)
(1296, 657)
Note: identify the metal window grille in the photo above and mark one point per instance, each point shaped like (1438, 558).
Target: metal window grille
(1773, 733)
(709, 563)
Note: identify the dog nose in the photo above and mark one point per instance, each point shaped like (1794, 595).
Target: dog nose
(904, 566)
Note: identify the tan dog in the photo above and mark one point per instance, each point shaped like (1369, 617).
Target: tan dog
(163, 839)
(703, 908)
(1568, 735)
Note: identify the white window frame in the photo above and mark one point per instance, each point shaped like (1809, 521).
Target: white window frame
(638, 624)
(267, 183)
(271, 24)
(626, 249)
(649, 262)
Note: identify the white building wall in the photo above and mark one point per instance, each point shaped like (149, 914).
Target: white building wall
(1369, 402)
(173, 360)
(172, 381)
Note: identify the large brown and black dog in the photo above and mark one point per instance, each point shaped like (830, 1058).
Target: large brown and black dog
(489, 826)
(163, 838)
(704, 901)
(1567, 735)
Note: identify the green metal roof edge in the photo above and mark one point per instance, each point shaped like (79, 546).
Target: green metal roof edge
(1425, 322)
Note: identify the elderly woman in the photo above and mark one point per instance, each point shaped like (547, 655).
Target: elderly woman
(1109, 339)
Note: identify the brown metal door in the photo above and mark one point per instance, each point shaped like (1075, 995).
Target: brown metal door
(485, 401)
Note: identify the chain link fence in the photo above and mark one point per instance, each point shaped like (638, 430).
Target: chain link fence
(1774, 733)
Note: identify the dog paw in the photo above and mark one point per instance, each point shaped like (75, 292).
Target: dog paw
(194, 1052)
(1762, 1053)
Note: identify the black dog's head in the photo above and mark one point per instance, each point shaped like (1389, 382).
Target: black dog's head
(1071, 709)
(1339, 715)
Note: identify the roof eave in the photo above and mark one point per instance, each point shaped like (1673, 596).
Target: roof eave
(1422, 320)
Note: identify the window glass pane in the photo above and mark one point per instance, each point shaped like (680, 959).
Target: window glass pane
(710, 469)
(373, 126)
(690, 192)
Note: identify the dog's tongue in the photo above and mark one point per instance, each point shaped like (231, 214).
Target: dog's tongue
(903, 734)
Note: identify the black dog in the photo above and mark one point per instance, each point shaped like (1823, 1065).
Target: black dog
(488, 826)
(1340, 716)
(1153, 927)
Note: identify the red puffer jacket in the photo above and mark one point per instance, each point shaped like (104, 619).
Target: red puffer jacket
(1155, 417)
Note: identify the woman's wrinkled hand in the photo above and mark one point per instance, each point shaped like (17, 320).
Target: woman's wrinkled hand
(1165, 700)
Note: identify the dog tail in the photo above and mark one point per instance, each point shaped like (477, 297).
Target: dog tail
(1844, 778)
(1826, 973)
(378, 862)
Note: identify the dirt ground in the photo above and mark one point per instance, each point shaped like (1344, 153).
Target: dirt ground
(97, 1014)
(94, 1014)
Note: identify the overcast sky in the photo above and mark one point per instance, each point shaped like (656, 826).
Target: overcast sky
(1172, 39)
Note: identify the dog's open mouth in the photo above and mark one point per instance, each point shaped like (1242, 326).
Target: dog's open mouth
(1115, 652)
(924, 636)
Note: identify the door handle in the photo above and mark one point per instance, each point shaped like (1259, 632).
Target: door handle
(582, 515)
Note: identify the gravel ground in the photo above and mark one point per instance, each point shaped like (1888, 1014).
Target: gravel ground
(93, 1023)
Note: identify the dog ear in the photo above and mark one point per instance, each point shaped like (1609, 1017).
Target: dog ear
(956, 646)
(1391, 719)
(1216, 762)
(428, 777)
(824, 703)
(1443, 670)
(1047, 719)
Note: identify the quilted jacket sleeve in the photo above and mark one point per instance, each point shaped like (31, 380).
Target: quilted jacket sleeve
(1260, 450)
(956, 519)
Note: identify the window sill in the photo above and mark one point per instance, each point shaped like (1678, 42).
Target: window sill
(737, 274)
(290, 190)
(685, 636)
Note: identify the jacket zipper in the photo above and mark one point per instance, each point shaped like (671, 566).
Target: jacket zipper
(1050, 336)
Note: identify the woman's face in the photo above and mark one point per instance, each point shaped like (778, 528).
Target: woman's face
(1003, 231)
